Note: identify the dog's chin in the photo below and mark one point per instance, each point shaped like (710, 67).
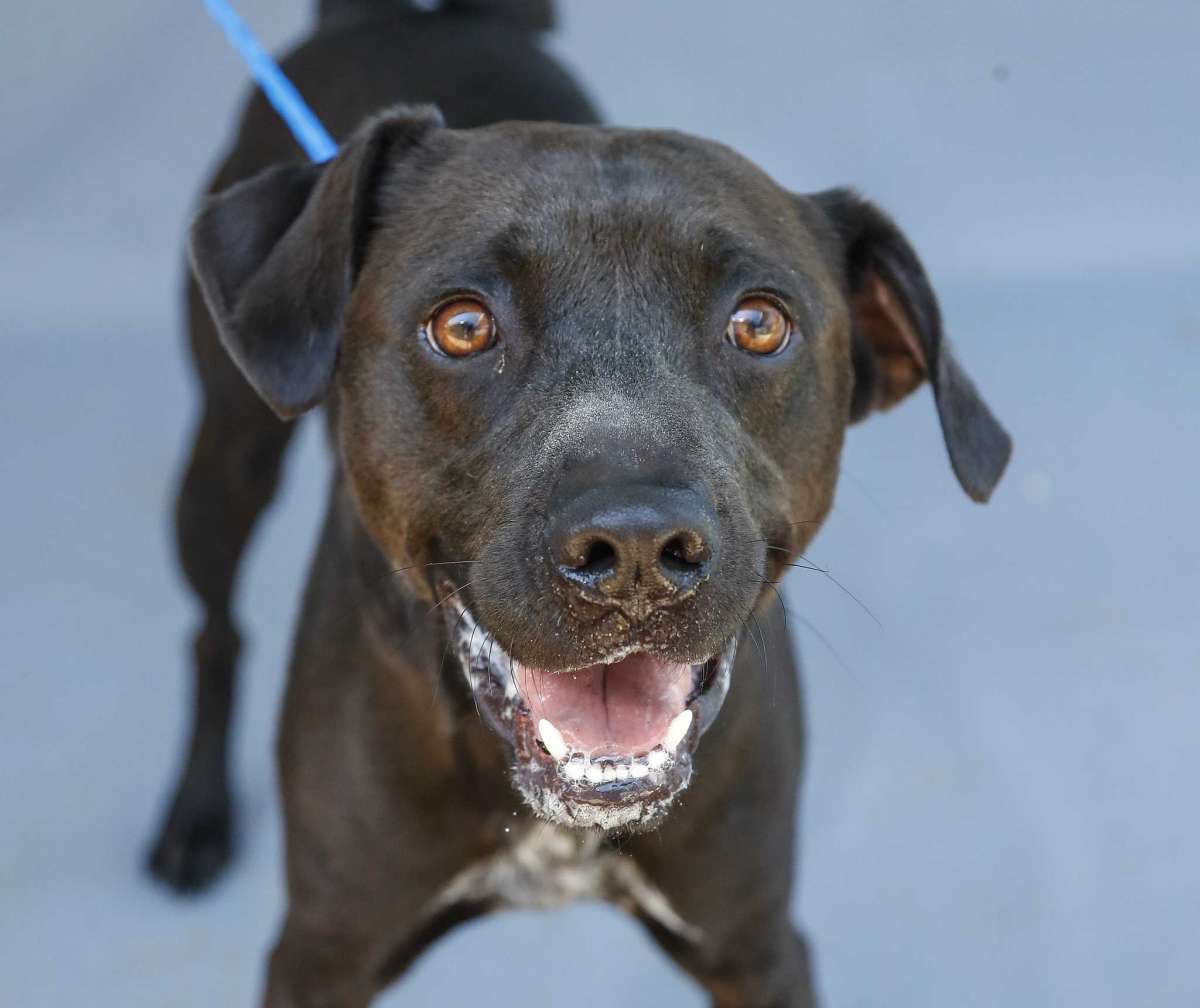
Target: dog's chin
(608, 745)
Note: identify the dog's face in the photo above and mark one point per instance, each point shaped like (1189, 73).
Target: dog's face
(591, 390)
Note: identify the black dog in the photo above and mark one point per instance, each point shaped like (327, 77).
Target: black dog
(588, 389)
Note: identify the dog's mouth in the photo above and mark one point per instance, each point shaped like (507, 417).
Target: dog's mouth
(607, 745)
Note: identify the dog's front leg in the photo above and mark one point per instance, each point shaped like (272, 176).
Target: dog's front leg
(313, 968)
(742, 949)
(764, 966)
(386, 797)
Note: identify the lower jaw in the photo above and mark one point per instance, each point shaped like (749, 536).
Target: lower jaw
(625, 792)
(631, 813)
(613, 792)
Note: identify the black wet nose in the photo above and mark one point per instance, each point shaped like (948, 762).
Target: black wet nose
(652, 543)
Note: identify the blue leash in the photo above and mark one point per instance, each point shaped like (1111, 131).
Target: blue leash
(280, 91)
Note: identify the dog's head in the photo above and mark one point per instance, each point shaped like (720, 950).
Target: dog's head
(591, 387)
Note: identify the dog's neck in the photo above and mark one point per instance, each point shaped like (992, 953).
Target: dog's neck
(404, 625)
(394, 607)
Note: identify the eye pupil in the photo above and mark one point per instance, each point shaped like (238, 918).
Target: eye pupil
(754, 319)
(759, 326)
(464, 324)
(461, 328)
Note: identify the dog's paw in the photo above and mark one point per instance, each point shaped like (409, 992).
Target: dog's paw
(194, 847)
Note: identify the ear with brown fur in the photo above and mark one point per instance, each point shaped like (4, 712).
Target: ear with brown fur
(898, 341)
(277, 257)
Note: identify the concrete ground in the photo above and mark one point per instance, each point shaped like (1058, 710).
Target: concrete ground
(1000, 803)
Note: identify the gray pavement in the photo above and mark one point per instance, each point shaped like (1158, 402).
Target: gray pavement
(1000, 808)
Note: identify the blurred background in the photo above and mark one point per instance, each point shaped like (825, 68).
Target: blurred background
(1000, 805)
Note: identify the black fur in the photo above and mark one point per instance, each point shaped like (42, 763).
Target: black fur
(535, 14)
(611, 261)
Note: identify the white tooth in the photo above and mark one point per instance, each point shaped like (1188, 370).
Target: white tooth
(657, 759)
(676, 730)
(574, 769)
(622, 772)
(638, 770)
(610, 773)
(553, 739)
(593, 773)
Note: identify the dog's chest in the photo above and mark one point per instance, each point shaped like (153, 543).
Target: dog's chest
(549, 867)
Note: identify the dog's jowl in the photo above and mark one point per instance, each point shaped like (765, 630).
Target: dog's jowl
(587, 390)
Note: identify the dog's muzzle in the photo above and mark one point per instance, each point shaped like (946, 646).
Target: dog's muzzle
(608, 745)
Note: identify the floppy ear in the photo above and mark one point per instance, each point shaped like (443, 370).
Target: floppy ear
(898, 341)
(277, 256)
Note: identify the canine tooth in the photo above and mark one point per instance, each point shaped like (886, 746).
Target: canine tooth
(638, 770)
(657, 759)
(575, 768)
(676, 730)
(553, 739)
(593, 772)
(622, 772)
(610, 772)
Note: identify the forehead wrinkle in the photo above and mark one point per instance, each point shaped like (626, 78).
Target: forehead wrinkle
(596, 244)
(620, 290)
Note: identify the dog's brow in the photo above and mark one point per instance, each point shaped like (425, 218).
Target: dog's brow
(736, 261)
(733, 252)
(512, 246)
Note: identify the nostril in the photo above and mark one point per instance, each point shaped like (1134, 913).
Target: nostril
(589, 558)
(683, 555)
(600, 558)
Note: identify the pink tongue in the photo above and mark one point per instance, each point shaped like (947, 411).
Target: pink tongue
(614, 709)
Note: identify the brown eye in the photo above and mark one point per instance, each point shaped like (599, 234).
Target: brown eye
(460, 328)
(759, 326)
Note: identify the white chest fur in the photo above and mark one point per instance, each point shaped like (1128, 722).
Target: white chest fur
(549, 867)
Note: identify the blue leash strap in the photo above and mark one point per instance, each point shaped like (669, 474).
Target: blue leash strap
(280, 91)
